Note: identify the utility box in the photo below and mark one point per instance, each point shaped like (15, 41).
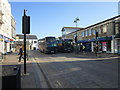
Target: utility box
(11, 77)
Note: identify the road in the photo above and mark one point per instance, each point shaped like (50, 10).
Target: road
(67, 70)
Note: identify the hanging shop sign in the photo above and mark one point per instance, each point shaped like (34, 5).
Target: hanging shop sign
(11, 40)
(6, 39)
(1, 38)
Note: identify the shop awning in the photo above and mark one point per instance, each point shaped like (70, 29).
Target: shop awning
(82, 41)
(117, 36)
(104, 38)
(11, 40)
(93, 39)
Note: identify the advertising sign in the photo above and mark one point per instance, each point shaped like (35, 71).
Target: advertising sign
(104, 46)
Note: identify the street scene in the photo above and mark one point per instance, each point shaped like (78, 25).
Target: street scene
(43, 49)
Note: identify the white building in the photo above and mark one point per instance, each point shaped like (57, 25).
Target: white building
(6, 37)
(13, 34)
(32, 41)
(67, 30)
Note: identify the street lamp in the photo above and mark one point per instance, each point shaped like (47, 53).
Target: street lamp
(75, 21)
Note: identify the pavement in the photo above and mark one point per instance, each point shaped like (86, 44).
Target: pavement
(33, 77)
(98, 55)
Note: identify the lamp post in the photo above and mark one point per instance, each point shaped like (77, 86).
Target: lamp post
(75, 21)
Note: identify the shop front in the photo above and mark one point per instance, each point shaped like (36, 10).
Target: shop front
(85, 45)
(1, 43)
(103, 44)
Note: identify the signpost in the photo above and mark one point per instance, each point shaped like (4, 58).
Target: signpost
(25, 30)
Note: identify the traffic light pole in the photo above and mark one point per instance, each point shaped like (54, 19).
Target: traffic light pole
(25, 30)
(96, 43)
(24, 47)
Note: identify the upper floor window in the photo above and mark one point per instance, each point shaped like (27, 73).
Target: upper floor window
(104, 28)
(94, 31)
(90, 32)
(86, 33)
(83, 34)
(99, 30)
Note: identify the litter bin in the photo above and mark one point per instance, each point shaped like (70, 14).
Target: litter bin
(11, 77)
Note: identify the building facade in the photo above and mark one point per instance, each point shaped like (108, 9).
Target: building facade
(107, 41)
(31, 41)
(5, 26)
(67, 30)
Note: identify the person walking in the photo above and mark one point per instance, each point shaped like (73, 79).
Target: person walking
(20, 54)
(83, 49)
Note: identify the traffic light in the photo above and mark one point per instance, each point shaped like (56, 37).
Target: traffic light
(76, 39)
(26, 24)
(96, 34)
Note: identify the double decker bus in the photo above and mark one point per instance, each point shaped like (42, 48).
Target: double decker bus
(47, 45)
(65, 45)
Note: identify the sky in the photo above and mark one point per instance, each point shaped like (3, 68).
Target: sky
(48, 18)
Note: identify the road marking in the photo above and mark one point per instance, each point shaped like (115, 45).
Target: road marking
(59, 84)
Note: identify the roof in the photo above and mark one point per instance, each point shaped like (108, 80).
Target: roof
(27, 36)
(103, 21)
(71, 28)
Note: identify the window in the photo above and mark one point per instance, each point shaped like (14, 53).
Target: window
(99, 30)
(94, 31)
(86, 33)
(83, 34)
(90, 32)
(35, 41)
(104, 28)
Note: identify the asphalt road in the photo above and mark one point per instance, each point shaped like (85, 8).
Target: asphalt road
(66, 70)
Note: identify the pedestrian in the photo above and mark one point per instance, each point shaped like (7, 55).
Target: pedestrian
(83, 49)
(20, 54)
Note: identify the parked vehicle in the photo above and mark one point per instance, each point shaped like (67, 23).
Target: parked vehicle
(47, 45)
(65, 45)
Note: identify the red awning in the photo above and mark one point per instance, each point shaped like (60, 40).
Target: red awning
(11, 40)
